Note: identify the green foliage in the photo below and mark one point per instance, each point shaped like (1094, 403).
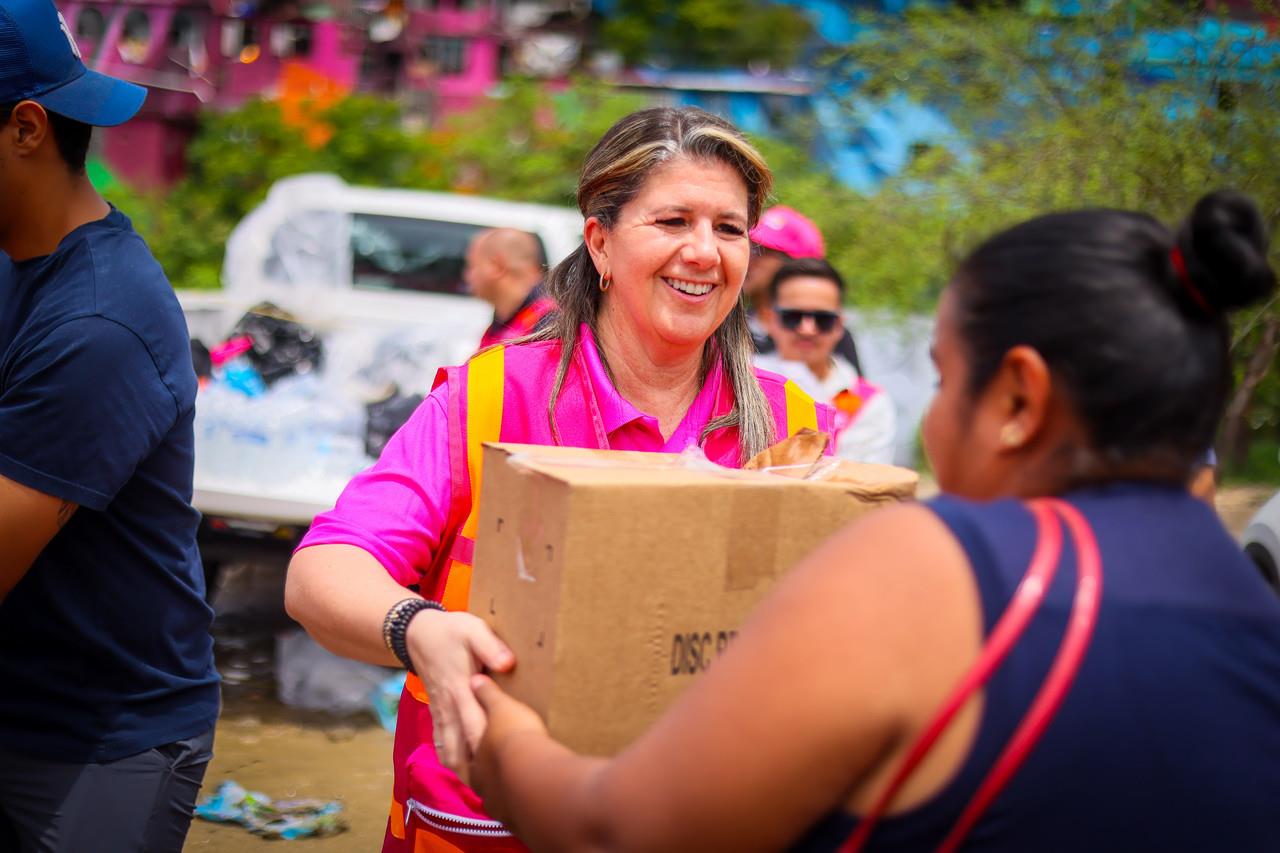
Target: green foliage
(233, 160)
(1260, 465)
(868, 239)
(529, 143)
(371, 146)
(706, 33)
(1051, 108)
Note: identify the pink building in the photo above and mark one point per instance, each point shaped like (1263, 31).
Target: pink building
(441, 55)
(192, 55)
(437, 55)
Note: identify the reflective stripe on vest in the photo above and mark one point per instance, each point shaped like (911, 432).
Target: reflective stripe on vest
(802, 411)
(486, 381)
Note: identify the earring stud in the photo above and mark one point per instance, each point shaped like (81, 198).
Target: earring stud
(1011, 435)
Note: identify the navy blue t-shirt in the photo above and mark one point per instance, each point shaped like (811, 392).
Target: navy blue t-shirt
(105, 649)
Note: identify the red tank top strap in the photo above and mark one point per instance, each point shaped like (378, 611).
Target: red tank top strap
(1049, 514)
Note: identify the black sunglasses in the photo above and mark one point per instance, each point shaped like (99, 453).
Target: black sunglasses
(824, 321)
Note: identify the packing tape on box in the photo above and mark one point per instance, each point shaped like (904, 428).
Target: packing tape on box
(522, 565)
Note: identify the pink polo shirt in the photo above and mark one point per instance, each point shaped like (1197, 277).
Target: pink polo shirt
(397, 509)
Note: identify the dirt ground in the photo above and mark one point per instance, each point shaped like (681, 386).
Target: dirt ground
(280, 751)
(270, 748)
(285, 753)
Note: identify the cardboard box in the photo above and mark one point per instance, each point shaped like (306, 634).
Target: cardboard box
(616, 577)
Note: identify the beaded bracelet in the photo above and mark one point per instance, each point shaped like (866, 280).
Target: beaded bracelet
(395, 627)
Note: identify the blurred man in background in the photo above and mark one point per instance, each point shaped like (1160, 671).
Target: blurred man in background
(504, 268)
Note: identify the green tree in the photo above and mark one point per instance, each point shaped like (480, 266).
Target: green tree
(232, 161)
(706, 33)
(528, 143)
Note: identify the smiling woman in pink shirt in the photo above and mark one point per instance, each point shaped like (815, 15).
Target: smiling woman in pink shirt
(649, 350)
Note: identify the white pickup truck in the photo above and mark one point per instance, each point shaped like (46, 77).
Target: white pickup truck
(373, 272)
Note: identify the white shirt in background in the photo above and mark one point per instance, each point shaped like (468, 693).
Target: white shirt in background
(870, 437)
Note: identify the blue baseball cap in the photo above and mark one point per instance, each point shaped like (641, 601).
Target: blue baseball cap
(39, 61)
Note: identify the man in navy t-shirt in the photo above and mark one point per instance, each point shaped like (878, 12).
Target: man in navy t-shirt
(108, 693)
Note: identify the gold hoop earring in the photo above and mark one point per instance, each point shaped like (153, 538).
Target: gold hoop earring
(605, 281)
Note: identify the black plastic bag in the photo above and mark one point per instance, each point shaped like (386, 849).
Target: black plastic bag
(281, 345)
(385, 417)
(200, 359)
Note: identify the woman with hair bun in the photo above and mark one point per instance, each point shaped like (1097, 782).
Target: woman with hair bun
(649, 350)
(1064, 651)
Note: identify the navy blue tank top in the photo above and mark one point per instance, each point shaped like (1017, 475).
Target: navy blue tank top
(1169, 739)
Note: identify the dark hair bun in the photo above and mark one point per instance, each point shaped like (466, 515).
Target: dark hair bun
(1224, 244)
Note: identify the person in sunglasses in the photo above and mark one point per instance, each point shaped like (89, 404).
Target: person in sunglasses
(804, 321)
(783, 234)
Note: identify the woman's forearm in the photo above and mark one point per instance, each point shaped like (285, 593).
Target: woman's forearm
(341, 594)
(550, 796)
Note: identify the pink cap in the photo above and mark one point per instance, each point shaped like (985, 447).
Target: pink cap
(789, 232)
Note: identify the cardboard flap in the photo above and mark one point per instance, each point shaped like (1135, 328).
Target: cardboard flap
(804, 449)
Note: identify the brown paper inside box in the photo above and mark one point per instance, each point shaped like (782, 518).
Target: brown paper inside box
(616, 577)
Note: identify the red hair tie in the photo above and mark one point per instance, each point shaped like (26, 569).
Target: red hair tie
(1180, 267)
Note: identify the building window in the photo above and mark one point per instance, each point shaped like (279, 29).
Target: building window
(135, 40)
(240, 40)
(232, 37)
(90, 24)
(380, 69)
(291, 40)
(185, 32)
(448, 55)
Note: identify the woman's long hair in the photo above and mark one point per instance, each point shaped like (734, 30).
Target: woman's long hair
(616, 169)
